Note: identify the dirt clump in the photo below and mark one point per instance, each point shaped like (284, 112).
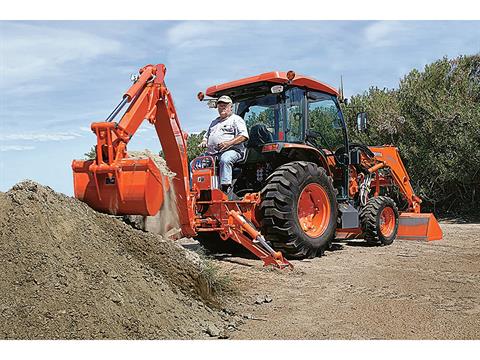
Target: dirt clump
(167, 218)
(70, 272)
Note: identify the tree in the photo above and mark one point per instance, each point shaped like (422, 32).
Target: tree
(192, 145)
(193, 150)
(434, 119)
(441, 138)
(91, 154)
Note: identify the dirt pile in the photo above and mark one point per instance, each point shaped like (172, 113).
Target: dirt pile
(70, 272)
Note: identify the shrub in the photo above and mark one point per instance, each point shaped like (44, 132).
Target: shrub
(434, 119)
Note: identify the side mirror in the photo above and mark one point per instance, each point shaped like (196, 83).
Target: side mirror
(354, 156)
(362, 121)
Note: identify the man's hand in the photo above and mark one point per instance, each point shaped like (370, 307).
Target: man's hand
(203, 144)
(224, 145)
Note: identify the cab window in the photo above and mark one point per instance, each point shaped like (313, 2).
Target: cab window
(324, 118)
(295, 124)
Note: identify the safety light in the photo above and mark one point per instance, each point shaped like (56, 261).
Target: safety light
(270, 147)
(290, 75)
(276, 89)
(200, 96)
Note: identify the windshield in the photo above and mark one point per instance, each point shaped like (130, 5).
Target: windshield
(282, 114)
(264, 110)
(325, 118)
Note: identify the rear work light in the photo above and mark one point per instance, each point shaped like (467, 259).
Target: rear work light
(270, 147)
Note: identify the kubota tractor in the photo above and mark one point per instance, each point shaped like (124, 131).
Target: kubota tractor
(300, 185)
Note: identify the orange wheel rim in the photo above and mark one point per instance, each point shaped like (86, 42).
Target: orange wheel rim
(313, 210)
(387, 221)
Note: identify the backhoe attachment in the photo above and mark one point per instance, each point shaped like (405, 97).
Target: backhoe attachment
(118, 184)
(254, 242)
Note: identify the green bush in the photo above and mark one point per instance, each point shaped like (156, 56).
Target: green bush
(192, 145)
(434, 119)
(193, 150)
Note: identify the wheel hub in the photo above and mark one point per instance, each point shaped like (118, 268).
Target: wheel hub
(313, 210)
(387, 221)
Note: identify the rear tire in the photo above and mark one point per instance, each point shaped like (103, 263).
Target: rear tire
(379, 219)
(298, 210)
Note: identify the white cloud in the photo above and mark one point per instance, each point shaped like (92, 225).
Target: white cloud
(39, 136)
(193, 35)
(16, 147)
(42, 52)
(187, 31)
(381, 33)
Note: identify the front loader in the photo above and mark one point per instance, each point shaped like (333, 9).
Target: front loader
(300, 185)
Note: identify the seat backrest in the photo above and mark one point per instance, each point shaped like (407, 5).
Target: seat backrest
(259, 135)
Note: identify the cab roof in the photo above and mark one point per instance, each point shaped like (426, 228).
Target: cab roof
(278, 77)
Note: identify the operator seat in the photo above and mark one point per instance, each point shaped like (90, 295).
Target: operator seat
(258, 136)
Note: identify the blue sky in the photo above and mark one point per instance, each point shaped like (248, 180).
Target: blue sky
(58, 77)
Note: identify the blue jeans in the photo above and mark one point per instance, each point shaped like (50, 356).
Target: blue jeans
(227, 159)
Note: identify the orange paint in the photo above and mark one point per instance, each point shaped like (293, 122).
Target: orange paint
(423, 227)
(277, 77)
(313, 210)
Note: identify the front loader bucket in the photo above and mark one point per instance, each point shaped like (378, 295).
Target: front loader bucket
(423, 227)
(130, 187)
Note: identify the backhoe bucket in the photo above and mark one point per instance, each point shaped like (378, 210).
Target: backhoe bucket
(130, 187)
(414, 226)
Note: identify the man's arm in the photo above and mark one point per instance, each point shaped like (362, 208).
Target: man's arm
(241, 130)
(203, 143)
(226, 144)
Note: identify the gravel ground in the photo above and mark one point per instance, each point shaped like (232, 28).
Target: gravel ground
(409, 290)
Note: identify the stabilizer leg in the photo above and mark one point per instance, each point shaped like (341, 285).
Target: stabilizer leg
(254, 242)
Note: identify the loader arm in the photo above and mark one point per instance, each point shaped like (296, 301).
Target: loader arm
(388, 157)
(413, 225)
(150, 100)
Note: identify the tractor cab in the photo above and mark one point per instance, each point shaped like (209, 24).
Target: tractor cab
(289, 118)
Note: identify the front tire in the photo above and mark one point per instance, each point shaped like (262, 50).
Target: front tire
(379, 218)
(298, 210)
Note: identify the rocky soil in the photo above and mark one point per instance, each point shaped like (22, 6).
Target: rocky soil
(69, 272)
(409, 290)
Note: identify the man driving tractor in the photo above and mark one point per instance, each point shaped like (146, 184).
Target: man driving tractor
(225, 138)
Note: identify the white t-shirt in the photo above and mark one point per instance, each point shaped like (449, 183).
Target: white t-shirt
(225, 130)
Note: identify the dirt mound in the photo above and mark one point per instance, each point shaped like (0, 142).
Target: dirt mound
(70, 272)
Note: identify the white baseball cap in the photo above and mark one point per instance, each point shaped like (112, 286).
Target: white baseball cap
(224, 99)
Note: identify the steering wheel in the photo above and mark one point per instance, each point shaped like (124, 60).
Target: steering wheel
(341, 156)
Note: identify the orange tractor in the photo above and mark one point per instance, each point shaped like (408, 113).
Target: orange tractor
(300, 185)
